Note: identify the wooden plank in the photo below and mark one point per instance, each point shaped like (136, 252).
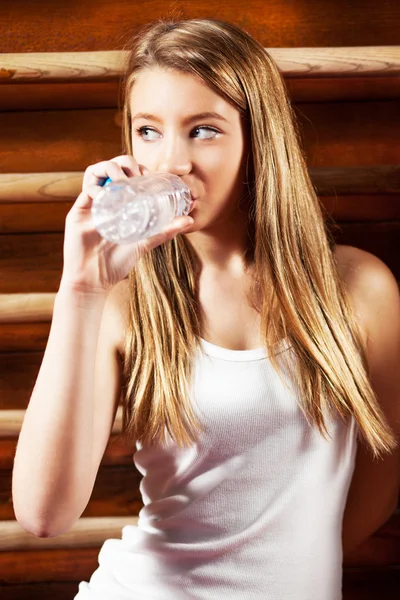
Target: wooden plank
(48, 188)
(377, 179)
(371, 584)
(335, 89)
(43, 188)
(343, 134)
(39, 566)
(23, 336)
(32, 263)
(63, 565)
(41, 591)
(368, 61)
(363, 587)
(116, 453)
(65, 140)
(99, 94)
(360, 208)
(26, 308)
(381, 239)
(116, 493)
(93, 531)
(50, 217)
(108, 25)
(11, 422)
(50, 96)
(86, 533)
(349, 134)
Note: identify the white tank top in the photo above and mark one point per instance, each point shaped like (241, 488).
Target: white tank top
(252, 511)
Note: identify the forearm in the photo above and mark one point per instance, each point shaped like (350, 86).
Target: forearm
(52, 466)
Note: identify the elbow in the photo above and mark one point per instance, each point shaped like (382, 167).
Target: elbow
(42, 530)
(49, 520)
(42, 527)
(34, 527)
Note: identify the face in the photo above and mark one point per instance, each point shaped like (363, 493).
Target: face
(208, 153)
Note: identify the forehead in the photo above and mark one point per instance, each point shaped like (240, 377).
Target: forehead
(161, 92)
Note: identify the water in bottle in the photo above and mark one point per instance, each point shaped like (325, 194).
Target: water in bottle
(133, 209)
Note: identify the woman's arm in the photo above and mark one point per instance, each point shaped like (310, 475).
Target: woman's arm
(374, 489)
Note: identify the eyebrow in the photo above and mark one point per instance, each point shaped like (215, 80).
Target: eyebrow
(190, 119)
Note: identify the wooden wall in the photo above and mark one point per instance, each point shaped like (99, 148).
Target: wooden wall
(59, 113)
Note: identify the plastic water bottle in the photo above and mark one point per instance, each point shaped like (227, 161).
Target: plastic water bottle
(133, 209)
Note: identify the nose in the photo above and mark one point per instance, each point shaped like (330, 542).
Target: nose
(174, 157)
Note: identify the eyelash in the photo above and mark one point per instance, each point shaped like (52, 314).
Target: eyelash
(139, 130)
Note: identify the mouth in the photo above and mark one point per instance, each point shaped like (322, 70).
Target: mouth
(192, 202)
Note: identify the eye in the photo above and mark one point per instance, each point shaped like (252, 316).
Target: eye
(204, 128)
(142, 130)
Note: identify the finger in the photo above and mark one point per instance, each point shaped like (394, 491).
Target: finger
(178, 225)
(95, 174)
(128, 163)
(85, 198)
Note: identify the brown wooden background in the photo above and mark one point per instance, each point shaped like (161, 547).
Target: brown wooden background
(52, 128)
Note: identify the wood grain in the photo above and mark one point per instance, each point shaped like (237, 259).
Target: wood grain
(116, 493)
(357, 584)
(65, 186)
(342, 134)
(90, 94)
(367, 61)
(97, 25)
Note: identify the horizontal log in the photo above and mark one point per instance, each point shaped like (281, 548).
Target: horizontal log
(11, 422)
(60, 564)
(62, 66)
(63, 590)
(51, 96)
(346, 208)
(322, 89)
(110, 25)
(65, 186)
(25, 308)
(116, 493)
(58, 141)
(41, 187)
(44, 217)
(49, 217)
(371, 584)
(88, 532)
(366, 585)
(117, 452)
(32, 263)
(105, 94)
(381, 239)
(349, 134)
(34, 260)
(344, 134)
(293, 63)
(85, 533)
(15, 337)
(378, 179)
(37, 567)
(64, 564)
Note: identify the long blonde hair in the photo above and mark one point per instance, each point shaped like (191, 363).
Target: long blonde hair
(292, 248)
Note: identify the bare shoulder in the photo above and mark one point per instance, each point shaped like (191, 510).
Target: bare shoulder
(117, 307)
(372, 287)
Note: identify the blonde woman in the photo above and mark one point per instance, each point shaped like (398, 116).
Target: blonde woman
(257, 361)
